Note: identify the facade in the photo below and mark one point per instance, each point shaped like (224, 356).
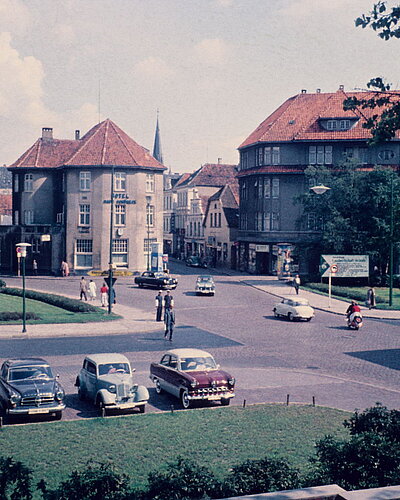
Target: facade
(221, 226)
(62, 192)
(308, 129)
(170, 179)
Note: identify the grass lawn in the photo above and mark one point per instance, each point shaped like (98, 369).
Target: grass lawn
(49, 313)
(217, 438)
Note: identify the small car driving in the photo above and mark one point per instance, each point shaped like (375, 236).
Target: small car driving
(205, 285)
(192, 375)
(294, 309)
(28, 387)
(195, 261)
(106, 380)
(156, 280)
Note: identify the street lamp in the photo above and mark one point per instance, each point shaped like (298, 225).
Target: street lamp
(391, 243)
(21, 250)
(110, 262)
(320, 189)
(148, 202)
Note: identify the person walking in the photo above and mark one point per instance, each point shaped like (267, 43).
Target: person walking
(104, 294)
(159, 306)
(296, 283)
(83, 288)
(92, 290)
(169, 320)
(34, 267)
(371, 298)
(168, 301)
(62, 268)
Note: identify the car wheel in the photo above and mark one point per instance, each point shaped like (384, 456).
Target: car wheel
(308, 319)
(142, 409)
(225, 402)
(81, 393)
(158, 386)
(290, 317)
(101, 407)
(276, 314)
(58, 415)
(185, 399)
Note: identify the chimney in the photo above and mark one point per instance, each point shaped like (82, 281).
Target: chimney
(77, 135)
(47, 133)
(341, 87)
(219, 161)
(318, 91)
(304, 91)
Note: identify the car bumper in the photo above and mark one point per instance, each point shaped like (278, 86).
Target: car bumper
(211, 397)
(125, 406)
(35, 411)
(207, 291)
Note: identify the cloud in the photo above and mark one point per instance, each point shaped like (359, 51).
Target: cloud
(212, 51)
(14, 15)
(154, 67)
(224, 3)
(64, 34)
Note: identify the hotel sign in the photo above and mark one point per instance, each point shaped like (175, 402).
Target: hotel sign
(121, 199)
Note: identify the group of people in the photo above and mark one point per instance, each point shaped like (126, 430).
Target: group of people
(90, 289)
(166, 304)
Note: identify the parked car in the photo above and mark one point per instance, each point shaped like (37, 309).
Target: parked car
(28, 387)
(156, 280)
(205, 285)
(195, 261)
(294, 308)
(106, 380)
(192, 375)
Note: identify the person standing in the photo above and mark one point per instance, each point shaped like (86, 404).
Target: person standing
(371, 298)
(296, 283)
(159, 306)
(83, 288)
(169, 320)
(34, 267)
(62, 268)
(92, 290)
(168, 301)
(104, 294)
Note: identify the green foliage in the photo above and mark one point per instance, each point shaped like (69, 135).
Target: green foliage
(14, 316)
(378, 419)
(55, 300)
(96, 482)
(15, 480)
(342, 291)
(2, 283)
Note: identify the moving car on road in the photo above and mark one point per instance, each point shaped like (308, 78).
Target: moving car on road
(156, 280)
(192, 375)
(106, 379)
(28, 387)
(205, 285)
(195, 261)
(294, 308)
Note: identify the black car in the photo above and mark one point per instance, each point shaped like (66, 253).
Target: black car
(28, 387)
(195, 261)
(156, 280)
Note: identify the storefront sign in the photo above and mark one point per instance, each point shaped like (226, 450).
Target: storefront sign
(262, 248)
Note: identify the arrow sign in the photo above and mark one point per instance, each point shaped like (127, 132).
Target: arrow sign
(334, 268)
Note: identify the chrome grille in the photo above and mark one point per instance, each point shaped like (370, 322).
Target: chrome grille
(40, 400)
(123, 390)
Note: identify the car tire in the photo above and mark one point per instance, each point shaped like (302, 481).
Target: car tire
(308, 319)
(185, 401)
(290, 317)
(81, 393)
(58, 415)
(276, 314)
(142, 408)
(101, 407)
(225, 402)
(158, 386)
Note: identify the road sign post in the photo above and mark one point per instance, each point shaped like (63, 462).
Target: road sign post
(332, 270)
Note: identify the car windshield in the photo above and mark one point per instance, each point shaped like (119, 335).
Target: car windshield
(302, 302)
(30, 372)
(161, 275)
(198, 364)
(205, 279)
(107, 368)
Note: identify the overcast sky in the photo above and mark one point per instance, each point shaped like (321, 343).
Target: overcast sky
(214, 68)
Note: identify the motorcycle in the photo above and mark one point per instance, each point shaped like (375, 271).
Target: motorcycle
(354, 321)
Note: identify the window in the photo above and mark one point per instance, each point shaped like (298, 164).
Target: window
(28, 182)
(266, 221)
(348, 153)
(267, 156)
(150, 215)
(219, 219)
(147, 244)
(16, 183)
(260, 155)
(28, 216)
(84, 181)
(244, 190)
(120, 213)
(338, 124)
(83, 254)
(258, 221)
(276, 156)
(272, 155)
(321, 155)
(243, 221)
(363, 155)
(244, 160)
(16, 217)
(149, 183)
(120, 181)
(120, 252)
(190, 229)
(84, 214)
(275, 221)
(267, 187)
(275, 187)
(386, 154)
(60, 218)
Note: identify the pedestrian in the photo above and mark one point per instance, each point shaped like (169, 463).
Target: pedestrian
(92, 290)
(296, 283)
(112, 296)
(66, 269)
(34, 267)
(159, 306)
(104, 294)
(83, 288)
(169, 320)
(168, 301)
(371, 298)
(62, 268)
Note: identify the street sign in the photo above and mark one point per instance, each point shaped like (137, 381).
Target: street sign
(348, 266)
(107, 280)
(19, 250)
(334, 268)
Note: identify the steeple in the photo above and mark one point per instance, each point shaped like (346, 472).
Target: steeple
(157, 151)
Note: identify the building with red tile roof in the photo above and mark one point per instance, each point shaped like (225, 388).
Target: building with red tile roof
(307, 129)
(62, 191)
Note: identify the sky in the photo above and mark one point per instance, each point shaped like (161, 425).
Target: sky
(213, 69)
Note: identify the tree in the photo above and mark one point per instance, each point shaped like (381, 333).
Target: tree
(15, 480)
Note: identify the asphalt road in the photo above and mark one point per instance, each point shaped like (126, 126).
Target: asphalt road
(272, 359)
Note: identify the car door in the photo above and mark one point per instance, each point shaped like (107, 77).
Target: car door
(90, 378)
(161, 372)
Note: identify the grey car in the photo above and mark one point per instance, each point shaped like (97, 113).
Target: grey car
(106, 380)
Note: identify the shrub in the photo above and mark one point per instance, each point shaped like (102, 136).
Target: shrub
(342, 291)
(52, 299)
(15, 316)
(15, 480)
(2, 283)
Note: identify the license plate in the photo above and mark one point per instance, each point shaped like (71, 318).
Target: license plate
(213, 398)
(125, 405)
(37, 410)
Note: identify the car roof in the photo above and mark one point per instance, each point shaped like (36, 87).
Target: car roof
(26, 361)
(295, 298)
(107, 357)
(188, 353)
(205, 277)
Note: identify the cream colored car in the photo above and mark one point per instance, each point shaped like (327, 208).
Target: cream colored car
(294, 308)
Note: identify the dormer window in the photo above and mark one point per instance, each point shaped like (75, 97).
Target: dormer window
(338, 124)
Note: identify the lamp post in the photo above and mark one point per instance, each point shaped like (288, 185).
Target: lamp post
(320, 189)
(110, 262)
(391, 243)
(21, 249)
(148, 201)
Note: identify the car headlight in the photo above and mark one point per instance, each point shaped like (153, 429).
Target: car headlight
(112, 388)
(60, 395)
(15, 398)
(165, 282)
(133, 389)
(231, 381)
(194, 383)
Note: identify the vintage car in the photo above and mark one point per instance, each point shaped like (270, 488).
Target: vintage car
(294, 308)
(156, 280)
(28, 387)
(195, 261)
(192, 375)
(106, 379)
(205, 285)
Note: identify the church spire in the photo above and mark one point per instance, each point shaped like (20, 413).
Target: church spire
(157, 151)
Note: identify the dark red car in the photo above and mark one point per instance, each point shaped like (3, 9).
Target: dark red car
(192, 375)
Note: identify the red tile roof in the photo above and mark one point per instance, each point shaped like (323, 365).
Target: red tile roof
(104, 145)
(297, 119)
(211, 174)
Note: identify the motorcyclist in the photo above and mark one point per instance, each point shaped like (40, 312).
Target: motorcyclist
(353, 308)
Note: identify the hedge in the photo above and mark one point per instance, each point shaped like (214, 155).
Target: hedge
(52, 299)
(342, 291)
(14, 316)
